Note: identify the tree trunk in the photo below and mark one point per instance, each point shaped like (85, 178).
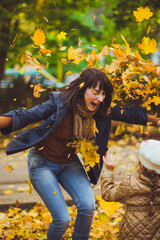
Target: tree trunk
(3, 55)
(4, 43)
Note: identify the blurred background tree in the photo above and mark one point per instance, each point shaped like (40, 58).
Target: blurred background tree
(97, 23)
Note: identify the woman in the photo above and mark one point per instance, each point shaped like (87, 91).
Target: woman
(68, 116)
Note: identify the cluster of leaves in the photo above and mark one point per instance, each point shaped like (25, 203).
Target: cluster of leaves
(135, 80)
(33, 224)
(88, 151)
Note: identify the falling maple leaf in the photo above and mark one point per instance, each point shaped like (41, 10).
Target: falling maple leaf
(8, 168)
(69, 73)
(39, 37)
(142, 13)
(148, 45)
(148, 30)
(45, 51)
(76, 55)
(81, 85)
(22, 71)
(38, 89)
(61, 35)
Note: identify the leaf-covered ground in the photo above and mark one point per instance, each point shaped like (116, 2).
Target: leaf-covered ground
(33, 224)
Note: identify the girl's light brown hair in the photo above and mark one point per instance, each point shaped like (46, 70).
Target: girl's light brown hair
(154, 177)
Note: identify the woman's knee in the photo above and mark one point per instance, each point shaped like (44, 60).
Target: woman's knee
(61, 223)
(87, 208)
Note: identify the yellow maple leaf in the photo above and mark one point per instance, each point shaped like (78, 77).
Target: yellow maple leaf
(142, 13)
(61, 35)
(8, 168)
(148, 45)
(156, 100)
(39, 37)
(76, 55)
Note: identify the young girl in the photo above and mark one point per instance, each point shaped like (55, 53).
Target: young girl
(141, 194)
(68, 115)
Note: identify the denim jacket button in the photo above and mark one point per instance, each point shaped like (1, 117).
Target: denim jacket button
(53, 117)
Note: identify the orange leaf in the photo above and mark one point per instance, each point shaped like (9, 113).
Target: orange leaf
(8, 168)
(37, 90)
(39, 37)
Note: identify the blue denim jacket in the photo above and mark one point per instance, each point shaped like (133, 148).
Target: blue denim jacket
(52, 112)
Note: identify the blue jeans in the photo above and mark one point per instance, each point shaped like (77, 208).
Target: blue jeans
(46, 176)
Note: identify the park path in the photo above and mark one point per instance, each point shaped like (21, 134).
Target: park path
(14, 185)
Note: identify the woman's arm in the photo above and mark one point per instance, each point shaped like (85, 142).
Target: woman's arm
(134, 115)
(22, 118)
(6, 122)
(109, 190)
(154, 120)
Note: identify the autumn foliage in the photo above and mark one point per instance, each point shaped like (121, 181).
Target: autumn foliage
(135, 79)
(33, 224)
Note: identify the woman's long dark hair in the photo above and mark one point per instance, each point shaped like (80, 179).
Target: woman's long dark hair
(154, 177)
(73, 92)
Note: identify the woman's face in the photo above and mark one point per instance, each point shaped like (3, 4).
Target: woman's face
(93, 97)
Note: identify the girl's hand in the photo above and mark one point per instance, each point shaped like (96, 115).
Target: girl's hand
(109, 162)
(158, 123)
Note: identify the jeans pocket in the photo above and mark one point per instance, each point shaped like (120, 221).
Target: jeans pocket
(35, 160)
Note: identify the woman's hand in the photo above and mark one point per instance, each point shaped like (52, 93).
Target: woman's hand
(154, 121)
(109, 162)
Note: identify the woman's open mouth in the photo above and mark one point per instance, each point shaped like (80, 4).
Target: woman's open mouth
(94, 104)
